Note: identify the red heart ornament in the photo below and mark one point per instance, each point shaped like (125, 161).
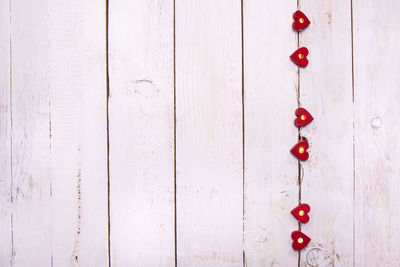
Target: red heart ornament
(300, 240)
(303, 117)
(300, 213)
(300, 21)
(299, 57)
(299, 150)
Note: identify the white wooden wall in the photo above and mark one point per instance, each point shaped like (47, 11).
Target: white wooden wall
(157, 133)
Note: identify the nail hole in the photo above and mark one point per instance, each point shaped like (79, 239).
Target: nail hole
(376, 123)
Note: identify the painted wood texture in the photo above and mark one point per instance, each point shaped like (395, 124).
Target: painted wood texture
(377, 132)
(5, 135)
(141, 117)
(30, 134)
(76, 74)
(209, 174)
(180, 156)
(326, 91)
(271, 172)
(56, 194)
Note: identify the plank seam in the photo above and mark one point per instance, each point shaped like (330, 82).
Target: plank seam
(108, 136)
(11, 141)
(354, 155)
(243, 130)
(174, 78)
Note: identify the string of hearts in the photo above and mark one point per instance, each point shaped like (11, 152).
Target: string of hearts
(299, 150)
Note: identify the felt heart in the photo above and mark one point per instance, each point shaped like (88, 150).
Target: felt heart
(303, 117)
(299, 56)
(300, 213)
(300, 21)
(300, 240)
(299, 150)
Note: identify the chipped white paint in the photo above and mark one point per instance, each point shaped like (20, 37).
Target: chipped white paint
(53, 133)
(377, 132)
(270, 170)
(30, 129)
(5, 134)
(77, 82)
(141, 119)
(326, 91)
(209, 133)
(58, 160)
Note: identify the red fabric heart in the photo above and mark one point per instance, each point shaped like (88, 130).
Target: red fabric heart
(300, 21)
(303, 117)
(300, 240)
(300, 213)
(299, 150)
(299, 57)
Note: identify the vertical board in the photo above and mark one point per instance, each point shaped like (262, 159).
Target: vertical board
(78, 131)
(141, 119)
(5, 135)
(270, 99)
(377, 132)
(59, 183)
(326, 92)
(209, 133)
(30, 98)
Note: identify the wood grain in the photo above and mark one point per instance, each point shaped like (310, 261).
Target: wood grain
(5, 136)
(377, 132)
(78, 131)
(209, 133)
(270, 99)
(326, 91)
(214, 78)
(59, 176)
(141, 110)
(30, 98)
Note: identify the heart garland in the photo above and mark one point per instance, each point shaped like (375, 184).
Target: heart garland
(300, 21)
(299, 57)
(299, 150)
(301, 213)
(300, 240)
(303, 117)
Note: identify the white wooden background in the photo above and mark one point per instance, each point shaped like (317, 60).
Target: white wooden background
(157, 132)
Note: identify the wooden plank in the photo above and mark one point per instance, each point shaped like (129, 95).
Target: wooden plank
(77, 82)
(377, 132)
(30, 98)
(326, 91)
(5, 134)
(271, 172)
(141, 112)
(209, 133)
(59, 133)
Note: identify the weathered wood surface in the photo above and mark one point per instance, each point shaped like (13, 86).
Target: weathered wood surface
(201, 99)
(326, 91)
(5, 136)
(270, 182)
(54, 168)
(30, 134)
(76, 78)
(209, 153)
(377, 132)
(141, 117)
